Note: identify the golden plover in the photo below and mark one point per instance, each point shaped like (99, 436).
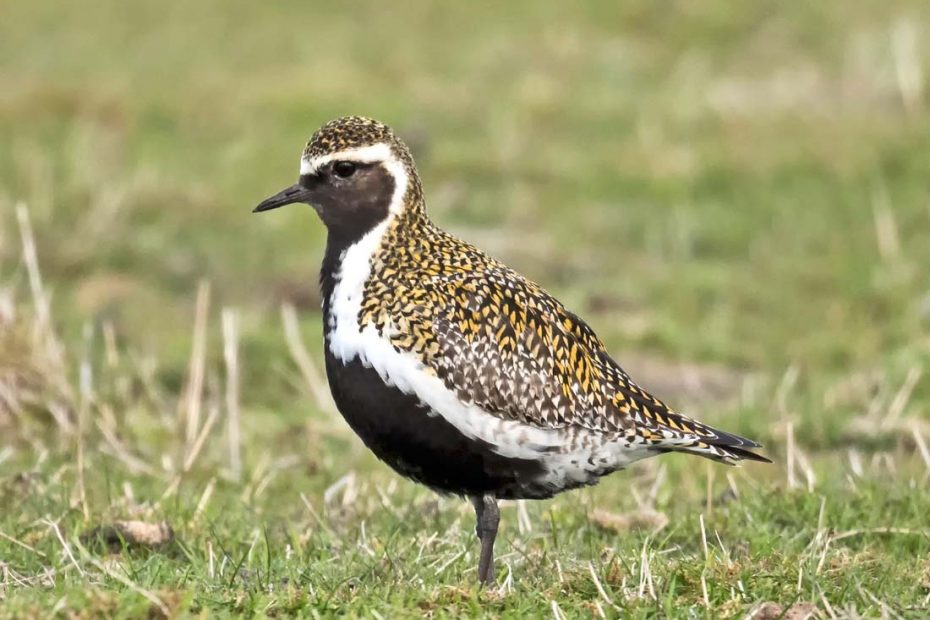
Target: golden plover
(456, 371)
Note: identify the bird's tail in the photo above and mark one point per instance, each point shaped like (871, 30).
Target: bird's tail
(719, 446)
(711, 443)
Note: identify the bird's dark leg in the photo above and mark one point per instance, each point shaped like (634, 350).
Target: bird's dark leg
(488, 517)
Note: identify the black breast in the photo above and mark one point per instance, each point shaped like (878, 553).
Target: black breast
(400, 430)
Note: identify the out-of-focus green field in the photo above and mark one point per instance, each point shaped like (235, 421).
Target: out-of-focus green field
(735, 195)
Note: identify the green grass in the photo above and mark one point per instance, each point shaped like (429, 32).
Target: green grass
(734, 195)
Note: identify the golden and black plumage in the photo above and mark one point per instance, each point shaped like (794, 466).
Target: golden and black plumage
(454, 369)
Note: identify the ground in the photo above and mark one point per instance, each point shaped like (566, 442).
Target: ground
(735, 195)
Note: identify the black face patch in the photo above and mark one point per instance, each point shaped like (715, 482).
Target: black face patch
(351, 206)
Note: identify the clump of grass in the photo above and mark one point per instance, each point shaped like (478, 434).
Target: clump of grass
(33, 373)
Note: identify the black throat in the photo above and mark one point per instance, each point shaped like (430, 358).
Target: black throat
(350, 212)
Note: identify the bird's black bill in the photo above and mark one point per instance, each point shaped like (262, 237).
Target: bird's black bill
(290, 195)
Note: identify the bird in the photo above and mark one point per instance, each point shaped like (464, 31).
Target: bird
(453, 369)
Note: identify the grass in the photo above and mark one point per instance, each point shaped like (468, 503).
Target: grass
(734, 196)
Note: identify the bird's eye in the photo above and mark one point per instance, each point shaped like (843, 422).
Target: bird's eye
(344, 169)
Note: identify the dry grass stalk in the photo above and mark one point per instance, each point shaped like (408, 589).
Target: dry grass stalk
(657, 483)
(311, 374)
(804, 465)
(204, 500)
(787, 383)
(903, 396)
(315, 515)
(346, 484)
(645, 574)
(114, 446)
(731, 485)
(276, 468)
(524, 522)
(201, 438)
(886, 227)
(704, 539)
(709, 499)
(40, 300)
(40, 378)
(65, 546)
(109, 344)
(193, 454)
(20, 543)
(600, 588)
(231, 357)
(890, 418)
(827, 606)
(192, 400)
(922, 447)
(909, 70)
(85, 393)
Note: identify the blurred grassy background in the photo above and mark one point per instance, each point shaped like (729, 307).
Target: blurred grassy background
(733, 193)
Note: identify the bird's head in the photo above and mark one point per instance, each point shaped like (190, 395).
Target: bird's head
(355, 173)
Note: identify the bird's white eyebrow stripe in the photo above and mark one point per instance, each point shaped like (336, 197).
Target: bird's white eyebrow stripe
(363, 155)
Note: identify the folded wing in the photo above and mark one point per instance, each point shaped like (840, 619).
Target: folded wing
(505, 345)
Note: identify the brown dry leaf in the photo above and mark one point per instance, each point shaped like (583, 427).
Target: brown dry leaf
(774, 611)
(644, 519)
(140, 533)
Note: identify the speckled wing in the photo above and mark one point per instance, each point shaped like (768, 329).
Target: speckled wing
(504, 344)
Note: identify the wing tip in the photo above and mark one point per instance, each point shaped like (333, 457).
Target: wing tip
(733, 448)
(740, 454)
